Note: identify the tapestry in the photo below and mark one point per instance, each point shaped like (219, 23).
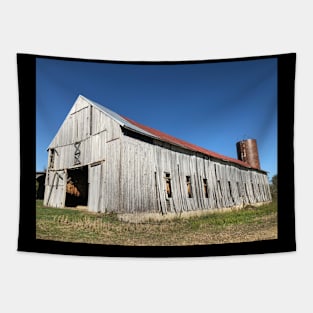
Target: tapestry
(156, 158)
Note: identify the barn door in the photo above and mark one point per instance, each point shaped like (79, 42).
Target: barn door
(55, 189)
(168, 193)
(95, 188)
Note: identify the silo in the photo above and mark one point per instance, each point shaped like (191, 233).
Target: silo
(247, 151)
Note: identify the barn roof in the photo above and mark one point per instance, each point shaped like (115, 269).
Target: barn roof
(121, 120)
(154, 133)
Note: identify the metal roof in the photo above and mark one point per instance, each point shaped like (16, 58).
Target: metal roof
(154, 133)
(118, 118)
(189, 146)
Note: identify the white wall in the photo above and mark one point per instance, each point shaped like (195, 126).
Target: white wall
(163, 30)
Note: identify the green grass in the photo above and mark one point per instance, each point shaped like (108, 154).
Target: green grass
(72, 225)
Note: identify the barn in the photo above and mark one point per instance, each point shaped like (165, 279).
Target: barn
(108, 163)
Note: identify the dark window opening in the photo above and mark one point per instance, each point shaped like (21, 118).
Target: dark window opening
(205, 188)
(51, 161)
(246, 190)
(230, 191)
(238, 188)
(218, 194)
(219, 187)
(253, 191)
(189, 191)
(168, 185)
(215, 170)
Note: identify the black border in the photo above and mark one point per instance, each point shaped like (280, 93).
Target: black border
(286, 242)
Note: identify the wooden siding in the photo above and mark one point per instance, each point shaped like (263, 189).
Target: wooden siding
(128, 172)
(55, 189)
(111, 177)
(95, 132)
(95, 180)
(137, 184)
(91, 137)
(143, 186)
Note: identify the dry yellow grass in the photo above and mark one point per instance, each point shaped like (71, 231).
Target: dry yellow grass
(225, 227)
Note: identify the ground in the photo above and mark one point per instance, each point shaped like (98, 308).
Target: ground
(71, 225)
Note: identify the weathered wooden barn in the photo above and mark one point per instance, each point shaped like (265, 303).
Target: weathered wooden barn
(107, 162)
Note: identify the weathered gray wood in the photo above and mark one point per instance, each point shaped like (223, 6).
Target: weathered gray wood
(128, 173)
(55, 188)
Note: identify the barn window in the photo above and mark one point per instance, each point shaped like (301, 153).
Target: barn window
(215, 170)
(77, 153)
(52, 156)
(205, 188)
(168, 185)
(230, 191)
(189, 191)
(253, 191)
(246, 190)
(57, 183)
(219, 187)
(238, 188)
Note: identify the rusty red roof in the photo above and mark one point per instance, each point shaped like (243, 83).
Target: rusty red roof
(154, 133)
(179, 142)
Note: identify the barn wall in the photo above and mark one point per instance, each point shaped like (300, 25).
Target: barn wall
(85, 131)
(143, 188)
(138, 191)
(88, 133)
(111, 177)
(95, 180)
(128, 174)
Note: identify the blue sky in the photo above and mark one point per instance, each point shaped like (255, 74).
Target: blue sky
(212, 105)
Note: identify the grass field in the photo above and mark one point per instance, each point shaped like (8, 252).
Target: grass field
(72, 225)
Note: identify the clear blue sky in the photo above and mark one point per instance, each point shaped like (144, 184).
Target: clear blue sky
(212, 105)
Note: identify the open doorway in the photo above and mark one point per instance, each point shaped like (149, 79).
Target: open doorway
(77, 187)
